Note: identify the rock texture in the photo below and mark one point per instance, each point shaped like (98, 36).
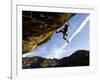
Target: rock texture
(38, 27)
(78, 58)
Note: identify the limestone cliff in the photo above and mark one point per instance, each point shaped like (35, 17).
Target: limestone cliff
(38, 27)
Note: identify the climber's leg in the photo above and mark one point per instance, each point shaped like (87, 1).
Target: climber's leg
(66, 34)
(64, 37)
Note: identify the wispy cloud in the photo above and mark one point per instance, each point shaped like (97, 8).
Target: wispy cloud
(61, 49)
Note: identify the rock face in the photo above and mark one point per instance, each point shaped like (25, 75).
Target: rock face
(38, 27)
(78, 58)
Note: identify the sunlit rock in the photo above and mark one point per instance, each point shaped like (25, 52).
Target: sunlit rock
(38, 27)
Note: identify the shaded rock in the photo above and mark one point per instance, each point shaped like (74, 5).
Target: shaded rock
(32, 62)
(78, 58)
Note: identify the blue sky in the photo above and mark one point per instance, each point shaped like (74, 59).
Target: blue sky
(80, 41)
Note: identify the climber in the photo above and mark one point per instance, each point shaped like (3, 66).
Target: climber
(63, 31)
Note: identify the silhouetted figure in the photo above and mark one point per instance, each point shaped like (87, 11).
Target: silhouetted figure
(64, 31)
